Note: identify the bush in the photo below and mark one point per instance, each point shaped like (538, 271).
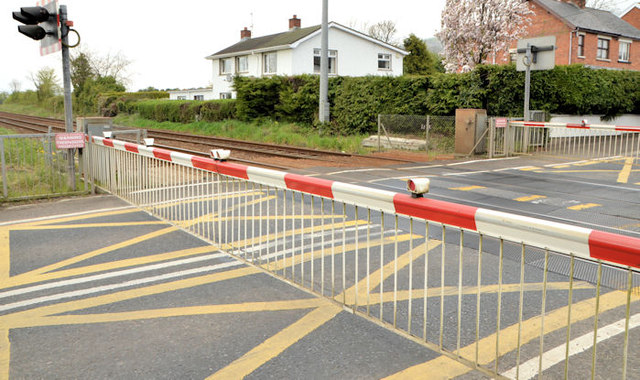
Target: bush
(184, 111)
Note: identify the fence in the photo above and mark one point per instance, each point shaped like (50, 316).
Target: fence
(565, 139)
(417, 132)
(491, 290)
(31, 166)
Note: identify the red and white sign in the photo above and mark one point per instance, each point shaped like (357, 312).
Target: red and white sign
(69, 140)
(501, 122)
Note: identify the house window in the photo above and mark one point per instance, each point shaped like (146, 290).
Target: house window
(513, 55)
(182, 97)
(624, 48)
(242, 64)
(384, 61)
(270, 63)
(603, 48)
(581, 45)
(225, 66)
(225, 95)
(198, 97)
(333, 54)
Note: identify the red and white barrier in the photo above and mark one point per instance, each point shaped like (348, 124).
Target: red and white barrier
(606, 127)
(563, 238)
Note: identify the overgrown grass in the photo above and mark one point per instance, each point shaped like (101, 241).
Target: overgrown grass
(33, 110)
(261, 131)
(33, 169)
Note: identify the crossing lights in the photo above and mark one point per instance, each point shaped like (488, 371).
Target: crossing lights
(41, 23)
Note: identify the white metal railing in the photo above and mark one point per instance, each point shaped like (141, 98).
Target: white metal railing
(587, 141)
(492, 290)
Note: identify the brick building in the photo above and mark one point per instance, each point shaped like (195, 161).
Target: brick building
(632, 15)
(593, 37)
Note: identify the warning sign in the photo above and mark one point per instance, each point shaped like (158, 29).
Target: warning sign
(69, 140)
(501, 122)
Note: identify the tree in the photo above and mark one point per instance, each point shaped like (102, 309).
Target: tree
(605, 5)
(473, 29)
(384, 31)
(15, 86)
(420, 60)
(46, 83)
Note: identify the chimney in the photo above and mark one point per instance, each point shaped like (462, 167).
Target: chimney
(245, 34)
(294, 23)
(578, 3)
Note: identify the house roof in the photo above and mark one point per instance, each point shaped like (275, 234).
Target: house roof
(289, 39)
(629, 9)
(590, 19)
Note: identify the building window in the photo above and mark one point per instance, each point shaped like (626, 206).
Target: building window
(225, 66)
(333, 54)
(384, 61)
(513, 55)
(198, 97)
(270, 63)
(182, 97)
(603, 48)
(225, 95)
(242, 64)
(581, 45)
(624, 49)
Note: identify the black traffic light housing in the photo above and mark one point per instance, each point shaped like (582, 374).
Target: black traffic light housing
(39, 22)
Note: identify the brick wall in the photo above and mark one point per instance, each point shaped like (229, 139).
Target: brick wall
(543, 23)
(633, 17)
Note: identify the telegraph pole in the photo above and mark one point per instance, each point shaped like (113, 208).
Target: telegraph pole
(324, 65)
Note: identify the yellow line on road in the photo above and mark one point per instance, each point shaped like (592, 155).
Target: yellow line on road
(202, 199)
(387, 270)
(276, 344)
(403, 295)
(5, 254)
(89, 225)
(467, 188)
(445, 368)
(5, 353)
(16, 281)
(61, 264)
(247, 307)
(583, 206)
(76, 217)
(623, 177)
(39, 316)
(529, 198)
(530, 168)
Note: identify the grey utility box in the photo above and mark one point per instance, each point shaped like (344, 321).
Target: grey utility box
(94, 126)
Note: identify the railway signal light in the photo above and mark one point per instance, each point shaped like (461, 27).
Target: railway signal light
(42, 24)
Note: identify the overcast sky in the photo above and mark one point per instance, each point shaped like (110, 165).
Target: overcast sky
(168, 40)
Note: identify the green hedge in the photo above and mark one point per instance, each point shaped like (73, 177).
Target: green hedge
(356, 102)
(184, 111)
(110, 103)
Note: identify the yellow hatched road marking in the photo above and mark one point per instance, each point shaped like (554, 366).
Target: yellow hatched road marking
(247, 307)
(16, 281)
(444, 367)
(623, 177)
(584, 206)
(200, 199)
(89, 225)
(5, 254)
(530, 168)
(5, 353)
(349, 295)
(276, 344)
(61, 264)
(529, 198)
(76, 217)
(467, 188)
(39, 316)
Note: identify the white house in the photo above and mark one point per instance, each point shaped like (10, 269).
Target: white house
(192, 94)
(297, 51)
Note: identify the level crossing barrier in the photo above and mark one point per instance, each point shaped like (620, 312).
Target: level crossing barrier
(577, 140)
(496, 292)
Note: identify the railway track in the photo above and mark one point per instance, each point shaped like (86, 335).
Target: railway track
(201, 144)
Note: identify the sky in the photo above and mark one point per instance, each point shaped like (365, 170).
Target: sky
(167, 41)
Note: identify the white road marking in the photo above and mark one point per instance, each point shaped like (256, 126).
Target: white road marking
(529, 369)
(104, 288)
(174, 187)
(103, 276)
(487, 160)
(359, 170)
(32, 220)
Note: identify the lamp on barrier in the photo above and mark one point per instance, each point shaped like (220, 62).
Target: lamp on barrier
(148, 141)
(220, 154)
(418, 186)
(107, 134)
